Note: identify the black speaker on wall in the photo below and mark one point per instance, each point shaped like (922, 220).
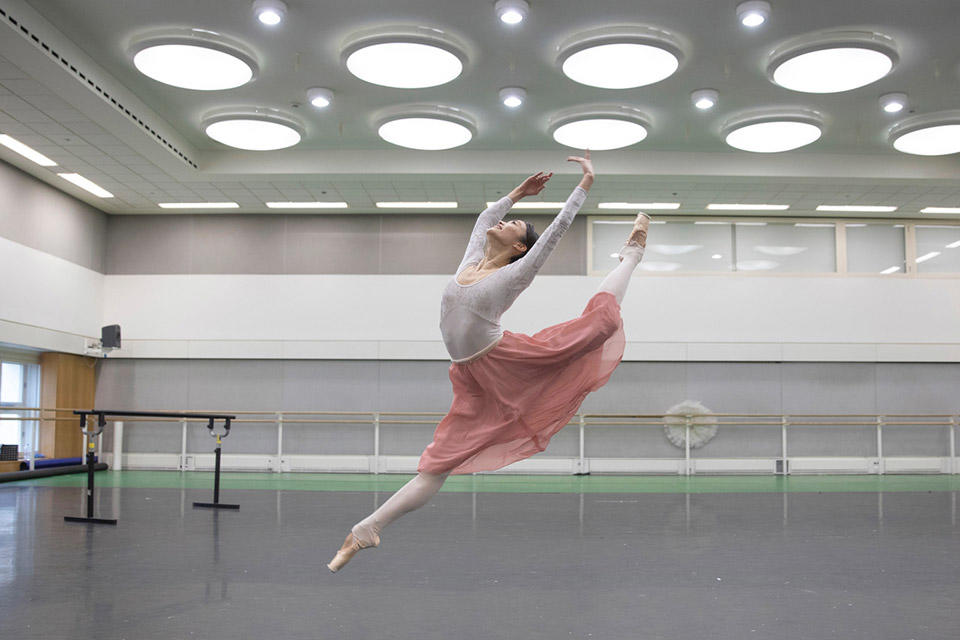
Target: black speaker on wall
(110, 336)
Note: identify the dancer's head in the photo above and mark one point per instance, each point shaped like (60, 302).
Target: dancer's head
(518, 235)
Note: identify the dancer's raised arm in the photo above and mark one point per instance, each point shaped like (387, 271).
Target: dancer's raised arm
(495, 212)
(528, 266)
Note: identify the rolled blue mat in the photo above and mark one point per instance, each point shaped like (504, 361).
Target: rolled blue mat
(55, 462)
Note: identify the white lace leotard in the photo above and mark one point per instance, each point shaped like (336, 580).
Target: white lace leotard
(470, 313)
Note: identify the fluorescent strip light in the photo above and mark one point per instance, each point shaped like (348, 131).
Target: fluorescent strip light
(85, 184)
(940, 210)
(927, 256)
(709, 222)
(307, 205)
(748, 207)
(751, 224)
(418, 205)
(854, 207)
(639, 205)
(855, 225)
(954, 245)
(891, 270)
(534, 205)
(813, 224)
(27, 152)
(199, 205)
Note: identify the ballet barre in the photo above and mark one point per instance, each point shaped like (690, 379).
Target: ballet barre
(102, 421)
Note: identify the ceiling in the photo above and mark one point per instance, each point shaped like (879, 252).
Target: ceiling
(159, 153)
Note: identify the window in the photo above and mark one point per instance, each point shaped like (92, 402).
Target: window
(875, 248)
(673, 246)
(938, 249)
(786, 247)
(19, 387)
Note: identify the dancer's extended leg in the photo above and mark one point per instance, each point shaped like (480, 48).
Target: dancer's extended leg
(630, 255)
(366, 533)
(410, 496)
(617, 280)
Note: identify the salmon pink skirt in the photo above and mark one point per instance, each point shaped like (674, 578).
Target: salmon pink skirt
(510, 401)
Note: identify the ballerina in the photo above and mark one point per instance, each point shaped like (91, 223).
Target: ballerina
(511, 392)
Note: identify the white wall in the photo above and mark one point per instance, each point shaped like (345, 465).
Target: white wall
(45, 301)
(666, 318)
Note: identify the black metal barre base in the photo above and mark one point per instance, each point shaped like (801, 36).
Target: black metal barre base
(216, 505)
(92, 520)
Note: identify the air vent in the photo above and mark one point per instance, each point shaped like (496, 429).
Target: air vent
(93, 86)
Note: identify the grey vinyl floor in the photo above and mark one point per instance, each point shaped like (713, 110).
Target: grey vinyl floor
(483, 565)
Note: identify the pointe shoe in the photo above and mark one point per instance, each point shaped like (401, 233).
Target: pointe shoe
(638, 237)
(349, 548)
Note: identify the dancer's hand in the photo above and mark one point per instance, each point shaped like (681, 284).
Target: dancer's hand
(534, 184)
(584, 161)
(531, 186)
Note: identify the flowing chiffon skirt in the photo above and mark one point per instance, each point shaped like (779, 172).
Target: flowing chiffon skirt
(509, 402)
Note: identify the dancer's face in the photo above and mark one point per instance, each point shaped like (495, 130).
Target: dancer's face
(509, 234)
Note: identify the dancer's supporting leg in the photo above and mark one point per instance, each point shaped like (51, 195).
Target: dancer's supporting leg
(410, 496)
(630, 255)
(366, 533)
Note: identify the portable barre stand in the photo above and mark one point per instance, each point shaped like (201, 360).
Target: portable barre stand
(102, 421)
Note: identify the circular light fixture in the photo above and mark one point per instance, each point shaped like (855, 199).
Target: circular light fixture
(893, 102)
(194, 59)
(269, 12)
(620, 58)
(753, 13)
(935, 134)
(426, 127)
(404, 57)
(512, 97)
(704, 98)
(320, 97)
(600, 127)
(253, 130)
(512, 11)
(834, 62)
(772, 132)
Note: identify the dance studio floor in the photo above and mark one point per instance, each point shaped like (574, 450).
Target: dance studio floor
(644, 558)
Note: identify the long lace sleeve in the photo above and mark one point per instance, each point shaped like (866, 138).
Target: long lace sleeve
(527, 267)
(489, 217)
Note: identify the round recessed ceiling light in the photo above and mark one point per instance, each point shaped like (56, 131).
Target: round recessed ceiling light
(838, 61)
(599, 128)
(704, 98)
(269, 12)
(404, 58)
(936, 134)
(512, 97)
(512, 11)
(893, 102)
(426, 127)
(197, 61)
(753, 13)
(320, 97)
(620, 58)
(772, 133)
(256, 130)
